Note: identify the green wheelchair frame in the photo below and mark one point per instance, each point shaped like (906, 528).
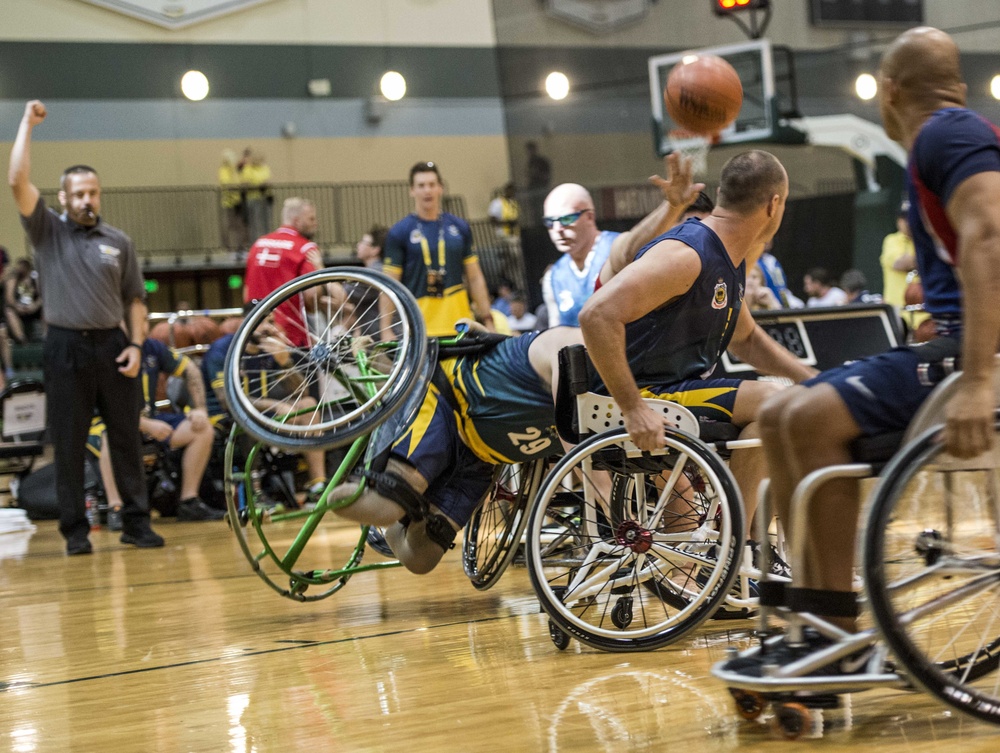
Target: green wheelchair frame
(378, 379)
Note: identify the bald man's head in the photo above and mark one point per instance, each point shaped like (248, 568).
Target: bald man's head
(920, 71)
(569, 216)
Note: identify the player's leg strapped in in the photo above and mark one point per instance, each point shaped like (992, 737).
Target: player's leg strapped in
(397, 489)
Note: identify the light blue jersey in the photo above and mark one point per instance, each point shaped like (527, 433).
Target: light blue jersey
(566, 288)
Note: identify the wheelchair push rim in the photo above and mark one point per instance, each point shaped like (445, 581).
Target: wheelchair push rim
(346, 381)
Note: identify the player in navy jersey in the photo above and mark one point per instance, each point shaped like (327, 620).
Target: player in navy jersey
(953, 178)
(430, 252)
(480, 410)
(659, 326)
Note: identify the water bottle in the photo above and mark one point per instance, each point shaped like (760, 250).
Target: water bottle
(93, 516)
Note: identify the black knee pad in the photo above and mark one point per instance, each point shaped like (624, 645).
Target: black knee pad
(440, 531)
(396, 488)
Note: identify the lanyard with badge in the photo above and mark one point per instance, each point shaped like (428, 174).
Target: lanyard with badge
(435, 277)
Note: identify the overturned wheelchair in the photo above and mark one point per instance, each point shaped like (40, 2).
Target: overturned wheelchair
(364, 358)
(931, 572)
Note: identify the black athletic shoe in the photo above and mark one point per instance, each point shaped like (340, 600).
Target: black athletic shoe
(195, 509)
(376, 540)
(142, 536)
(781, 653)
(78, 545)
(114, 518)
(778, 565)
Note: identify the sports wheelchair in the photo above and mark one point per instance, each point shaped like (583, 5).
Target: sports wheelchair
(360, 378)
(627, 550)
(931, 572)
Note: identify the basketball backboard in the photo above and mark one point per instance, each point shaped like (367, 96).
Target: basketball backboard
(754, 62)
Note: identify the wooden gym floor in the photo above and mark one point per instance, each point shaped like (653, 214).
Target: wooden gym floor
(185, 649)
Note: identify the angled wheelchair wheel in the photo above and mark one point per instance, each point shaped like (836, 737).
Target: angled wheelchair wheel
(493, 534)
(338, 377)
(285, 546)
(932, 568)
(630, 551)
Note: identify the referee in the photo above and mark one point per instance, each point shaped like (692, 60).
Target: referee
(91, 284)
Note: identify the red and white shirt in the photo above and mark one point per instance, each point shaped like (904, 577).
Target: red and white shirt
(274, 260)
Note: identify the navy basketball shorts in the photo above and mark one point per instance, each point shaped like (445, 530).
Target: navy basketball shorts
(457, 479)
(707, 399)
(884, 392)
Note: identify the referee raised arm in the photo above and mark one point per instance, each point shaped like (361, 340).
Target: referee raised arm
(90, 278)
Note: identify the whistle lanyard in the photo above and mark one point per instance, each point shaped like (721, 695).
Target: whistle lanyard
(425, 247)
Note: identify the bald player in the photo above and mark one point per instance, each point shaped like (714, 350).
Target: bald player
(953, 179)
(569, 217)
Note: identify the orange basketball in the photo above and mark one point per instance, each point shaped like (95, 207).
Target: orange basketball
(703, 94)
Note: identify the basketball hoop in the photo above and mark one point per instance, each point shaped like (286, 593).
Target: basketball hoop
(694, 146)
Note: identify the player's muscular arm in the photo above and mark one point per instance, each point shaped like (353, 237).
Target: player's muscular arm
(975, 214)
(479, 293)
(752, 345)
(667, 271)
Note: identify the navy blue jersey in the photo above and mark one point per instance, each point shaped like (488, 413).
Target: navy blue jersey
(953, 145)
(685, 338)
(421, 250)
(565, 287)
(158, 359)
(213, 367)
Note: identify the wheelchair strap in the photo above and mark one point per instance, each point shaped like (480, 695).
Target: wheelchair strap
(394, 487)
(822, 603)
(470, 343)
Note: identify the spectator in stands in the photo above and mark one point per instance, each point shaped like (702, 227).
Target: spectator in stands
(855, 284)
(369, 248)
(255, 176)
(505, 292)
(430, 251)
(278, 258)
(821, 287)
(520, 319)
(90, 359)
(758, 296)
(234, 223)
(776, 280)
(190, 432)
(899, 263)
(276, 351)
(504, 213)
(569, 217)
(22, 300)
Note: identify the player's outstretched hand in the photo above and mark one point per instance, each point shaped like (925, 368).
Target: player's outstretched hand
(677, 188)
(35, 112)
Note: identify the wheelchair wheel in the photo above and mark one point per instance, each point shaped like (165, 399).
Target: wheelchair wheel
(932, 567)
(493, 534)
(284, 546)
(337, 378)
(631, 551)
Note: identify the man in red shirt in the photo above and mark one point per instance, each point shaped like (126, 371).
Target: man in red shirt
(278, 258)
(281, 256)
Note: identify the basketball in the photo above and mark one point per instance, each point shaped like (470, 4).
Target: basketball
(703, 94)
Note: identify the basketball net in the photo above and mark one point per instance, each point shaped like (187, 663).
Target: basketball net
(694, 146)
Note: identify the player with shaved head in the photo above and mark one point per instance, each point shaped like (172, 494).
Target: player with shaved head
(953, 179)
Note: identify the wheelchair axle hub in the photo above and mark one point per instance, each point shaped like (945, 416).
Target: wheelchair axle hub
(634, 536)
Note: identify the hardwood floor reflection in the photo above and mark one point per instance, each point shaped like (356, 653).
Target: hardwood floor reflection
(185, 649)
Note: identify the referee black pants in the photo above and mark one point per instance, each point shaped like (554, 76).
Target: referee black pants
(81, 374)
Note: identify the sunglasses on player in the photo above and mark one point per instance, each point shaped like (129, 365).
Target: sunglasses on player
(566, 220)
